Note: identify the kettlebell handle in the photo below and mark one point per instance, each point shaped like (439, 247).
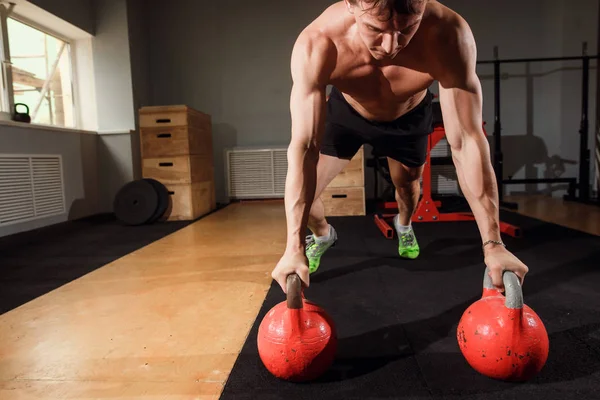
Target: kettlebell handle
(512, 288)
(294, 292)
(24, 105)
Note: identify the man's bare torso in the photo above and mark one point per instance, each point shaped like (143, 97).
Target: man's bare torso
(383, 90)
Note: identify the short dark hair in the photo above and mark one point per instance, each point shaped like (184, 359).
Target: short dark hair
(392, 6)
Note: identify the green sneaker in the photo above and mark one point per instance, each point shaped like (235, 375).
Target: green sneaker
(315, 248)
(408, 247)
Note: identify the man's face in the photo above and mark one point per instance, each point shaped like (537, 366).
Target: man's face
(385, 37)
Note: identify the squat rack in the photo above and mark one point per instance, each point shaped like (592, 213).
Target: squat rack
(581, 185)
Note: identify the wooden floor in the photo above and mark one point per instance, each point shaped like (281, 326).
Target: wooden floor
(578, 216)
(167, 321)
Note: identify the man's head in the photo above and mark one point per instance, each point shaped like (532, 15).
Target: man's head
(386, 26)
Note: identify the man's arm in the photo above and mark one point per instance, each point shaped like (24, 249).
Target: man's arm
(310, 69)
(461, 103)
(313, 60)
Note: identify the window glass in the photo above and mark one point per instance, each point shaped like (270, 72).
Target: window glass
(42, 79)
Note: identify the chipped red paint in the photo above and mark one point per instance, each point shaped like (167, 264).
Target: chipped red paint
(502, 343)
(297, 345)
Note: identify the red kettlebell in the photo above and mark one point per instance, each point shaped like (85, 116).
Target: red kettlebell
(500, 336)
(297, 340)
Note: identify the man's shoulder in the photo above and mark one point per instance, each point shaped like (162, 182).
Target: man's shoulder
(314, 56)
(448, 30)
(314, 42)
(320, 35)
(452, 47)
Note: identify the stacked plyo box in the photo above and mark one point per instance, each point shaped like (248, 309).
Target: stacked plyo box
(177, 151)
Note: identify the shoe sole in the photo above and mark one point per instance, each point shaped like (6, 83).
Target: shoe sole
(409, 258)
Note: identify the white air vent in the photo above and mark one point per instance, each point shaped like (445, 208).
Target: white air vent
(31, 187)
(256, 173)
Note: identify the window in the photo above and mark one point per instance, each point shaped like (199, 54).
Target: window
(41, 75)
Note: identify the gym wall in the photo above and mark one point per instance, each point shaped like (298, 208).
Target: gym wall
(80, 171)
(540, 102)
(139, 47)
(95, 165)
(78, 12)
(235, 66)
(114, 99)
(78, 150)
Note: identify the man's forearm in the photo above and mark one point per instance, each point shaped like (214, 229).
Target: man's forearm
(300, 189)
(478, 183)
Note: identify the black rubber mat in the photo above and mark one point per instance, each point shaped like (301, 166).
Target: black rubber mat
(36, 262)
(397, 319)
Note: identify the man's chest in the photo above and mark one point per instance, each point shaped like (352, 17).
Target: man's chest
(392, 83)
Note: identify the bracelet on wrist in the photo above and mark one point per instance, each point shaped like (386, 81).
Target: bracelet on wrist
(492, 242)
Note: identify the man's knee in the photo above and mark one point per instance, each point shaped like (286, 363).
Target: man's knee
(408, 185)
(328, 168)
(317, 203)
(413, 174)
(405, 176)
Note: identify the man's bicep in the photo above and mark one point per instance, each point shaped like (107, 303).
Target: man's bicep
(459, 86)
(313, 59)
(311, 69)
(462, 110)
(457, 57)
(307, 106)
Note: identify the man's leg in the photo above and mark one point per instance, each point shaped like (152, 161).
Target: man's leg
(340, 143)
(324, 236)
(408, 189)
(327, 169)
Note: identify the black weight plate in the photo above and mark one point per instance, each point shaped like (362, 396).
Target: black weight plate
(136, 202)
(163, 199)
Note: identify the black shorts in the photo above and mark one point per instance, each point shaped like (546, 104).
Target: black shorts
(404, 139)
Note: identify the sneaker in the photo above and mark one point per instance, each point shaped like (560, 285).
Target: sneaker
(315, 248)
(407, 242)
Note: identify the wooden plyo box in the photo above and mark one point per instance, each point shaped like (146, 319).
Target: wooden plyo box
(178, 169)
(191, 201)
(176, 146)
(175, 131)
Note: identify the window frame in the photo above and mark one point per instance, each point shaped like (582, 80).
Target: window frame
(6, 83)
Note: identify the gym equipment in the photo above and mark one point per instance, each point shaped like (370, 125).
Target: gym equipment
(164, 200)
(583, 186)
(297, 340)
(176, 144)
(22, 117)
(136, 202)
(428, 209)
(500, 336)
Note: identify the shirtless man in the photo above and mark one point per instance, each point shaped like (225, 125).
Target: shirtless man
(381, 56)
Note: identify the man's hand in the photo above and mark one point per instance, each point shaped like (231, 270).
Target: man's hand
(498, 260)
(288, 264)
